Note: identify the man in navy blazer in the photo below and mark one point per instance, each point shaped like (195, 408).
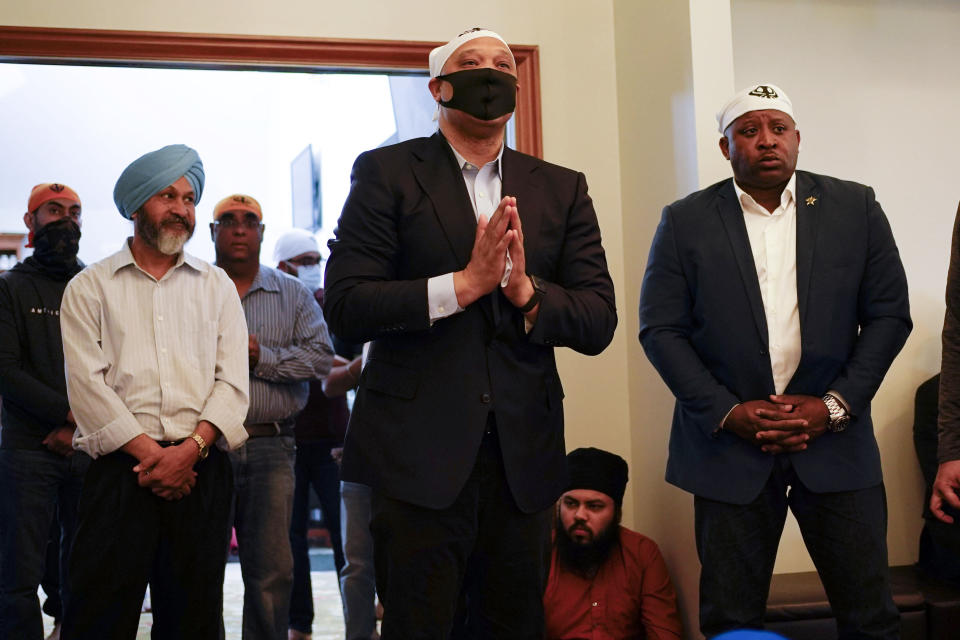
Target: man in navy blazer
(772, 306)
(465, 264)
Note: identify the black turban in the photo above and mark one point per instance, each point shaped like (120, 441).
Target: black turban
(597, 470)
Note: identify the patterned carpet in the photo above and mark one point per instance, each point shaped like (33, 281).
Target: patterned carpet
(328, 615)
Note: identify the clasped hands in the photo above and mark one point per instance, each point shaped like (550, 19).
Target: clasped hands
(782, 424)
(168, 471)
(496, 237)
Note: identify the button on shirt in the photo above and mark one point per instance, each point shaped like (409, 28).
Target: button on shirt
(154, 357)
(630, 596)
(294, 345)
(484, 187)
(773, 241)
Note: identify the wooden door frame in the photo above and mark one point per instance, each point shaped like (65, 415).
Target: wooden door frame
(49, 45)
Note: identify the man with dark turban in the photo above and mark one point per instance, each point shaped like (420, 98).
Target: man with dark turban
(155, 346)
(40, 474)
(606, 581)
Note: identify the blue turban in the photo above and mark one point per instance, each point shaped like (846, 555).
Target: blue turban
(749, 634)
(155, 171)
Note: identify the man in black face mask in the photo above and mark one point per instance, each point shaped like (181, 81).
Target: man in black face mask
(40, 473)
(464, 263)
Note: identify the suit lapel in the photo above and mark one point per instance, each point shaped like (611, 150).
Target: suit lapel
(808, 215)
(441, 179)
(731, 214)
(517, 181)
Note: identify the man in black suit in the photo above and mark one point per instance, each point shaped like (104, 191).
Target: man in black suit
(772, 306)
(465, 263)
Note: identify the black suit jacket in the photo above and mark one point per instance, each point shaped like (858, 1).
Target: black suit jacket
(426, 390)
(702, 325)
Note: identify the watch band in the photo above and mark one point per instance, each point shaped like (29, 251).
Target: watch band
(204, 449)
(538, 291)
(839, 418)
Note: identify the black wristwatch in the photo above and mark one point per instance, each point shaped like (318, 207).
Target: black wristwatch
(538, 291)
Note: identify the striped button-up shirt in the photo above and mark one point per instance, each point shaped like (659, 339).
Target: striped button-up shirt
(154, 357)
(294, 345)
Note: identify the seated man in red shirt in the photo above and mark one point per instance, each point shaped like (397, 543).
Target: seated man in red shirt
(606, 581)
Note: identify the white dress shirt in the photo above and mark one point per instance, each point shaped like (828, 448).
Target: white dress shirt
(773, 241)
(484, 186)
(153, 357)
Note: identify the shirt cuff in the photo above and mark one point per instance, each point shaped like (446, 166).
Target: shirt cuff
(109, 438)
(266, 363)
(442, 297)
(724, 421)
(227, 423)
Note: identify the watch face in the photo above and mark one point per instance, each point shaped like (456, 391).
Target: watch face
(537, 285)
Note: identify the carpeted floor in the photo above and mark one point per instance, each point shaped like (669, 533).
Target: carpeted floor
(328, 615)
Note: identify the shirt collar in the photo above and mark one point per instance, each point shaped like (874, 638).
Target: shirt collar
(464, 164)
(124, 258)
(267, 279)
(788, 195)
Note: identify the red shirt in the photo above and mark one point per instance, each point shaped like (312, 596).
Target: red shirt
(631, 596)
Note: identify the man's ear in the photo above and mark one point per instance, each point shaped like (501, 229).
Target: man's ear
(725, 147)
(213, 232)
(434, 86)
(29, 219)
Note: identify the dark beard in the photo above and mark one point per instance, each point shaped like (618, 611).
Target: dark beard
(585, 559)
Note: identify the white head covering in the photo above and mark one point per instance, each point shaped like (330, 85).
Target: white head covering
(440, 55)
(754, 98)
(294, 243)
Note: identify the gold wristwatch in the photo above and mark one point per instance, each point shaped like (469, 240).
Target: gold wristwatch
(204, 449)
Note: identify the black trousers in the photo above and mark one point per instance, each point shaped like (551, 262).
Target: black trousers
(127, 536)
(845, 533)
(481, 553)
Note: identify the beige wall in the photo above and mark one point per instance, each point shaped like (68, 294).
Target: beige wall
(872, 83)
(658, 163)
(875, 92)
(579, 116)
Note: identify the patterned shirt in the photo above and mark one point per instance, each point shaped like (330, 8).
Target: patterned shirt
(154, 357)
(294, 345)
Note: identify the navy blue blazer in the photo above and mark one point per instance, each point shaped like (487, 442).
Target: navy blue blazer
(703, 327)
(426, 390)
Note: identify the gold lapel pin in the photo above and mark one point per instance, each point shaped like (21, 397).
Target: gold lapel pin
(811, 201)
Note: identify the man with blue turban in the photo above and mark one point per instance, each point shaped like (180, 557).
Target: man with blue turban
(155, 348)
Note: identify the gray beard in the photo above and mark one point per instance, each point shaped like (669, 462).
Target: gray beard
(166, 242)
(171, 243)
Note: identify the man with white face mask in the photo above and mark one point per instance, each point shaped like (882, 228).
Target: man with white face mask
(319, 432)
(288, 347)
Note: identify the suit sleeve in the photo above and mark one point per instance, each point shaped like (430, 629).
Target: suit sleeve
(883, 311)
(948, 422)
(364, 298)
(578, 309)
(666, 323)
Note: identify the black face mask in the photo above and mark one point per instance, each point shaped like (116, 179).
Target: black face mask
(486, 94)
(56, 245)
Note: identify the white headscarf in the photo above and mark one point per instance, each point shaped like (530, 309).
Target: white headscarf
(754, 98)
(294, 243)
(440, 55)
